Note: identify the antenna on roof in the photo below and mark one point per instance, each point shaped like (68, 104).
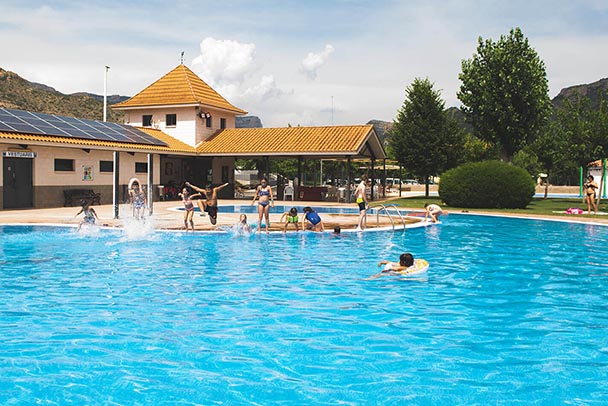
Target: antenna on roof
(182, 58)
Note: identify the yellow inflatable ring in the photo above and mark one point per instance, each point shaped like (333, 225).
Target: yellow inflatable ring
(420, 266)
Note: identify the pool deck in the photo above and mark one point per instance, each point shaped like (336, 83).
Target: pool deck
(165, 216)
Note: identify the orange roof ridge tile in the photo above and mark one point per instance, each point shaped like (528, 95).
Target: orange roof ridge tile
(180, 86)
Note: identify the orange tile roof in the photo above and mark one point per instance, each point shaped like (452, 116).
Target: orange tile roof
(178, 87)
(173, 145)
(291, 141)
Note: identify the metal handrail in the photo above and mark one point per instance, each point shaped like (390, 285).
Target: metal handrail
(386, 208)
(394, 206)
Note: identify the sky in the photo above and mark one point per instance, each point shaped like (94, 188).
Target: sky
(306, 62)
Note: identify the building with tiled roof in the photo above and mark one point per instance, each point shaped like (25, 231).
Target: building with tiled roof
(190, 136)
(312, 142)
(182, 105)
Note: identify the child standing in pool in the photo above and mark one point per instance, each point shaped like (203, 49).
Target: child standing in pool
(290, 217)
(265, 198)
(188, 207)
(242, 225)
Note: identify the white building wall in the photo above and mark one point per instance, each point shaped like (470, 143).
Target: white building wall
(190, 127)
(184, 130)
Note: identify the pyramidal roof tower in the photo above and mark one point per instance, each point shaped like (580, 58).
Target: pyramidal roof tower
(182, 105)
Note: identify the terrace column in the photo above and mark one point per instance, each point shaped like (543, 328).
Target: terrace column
(349, 178)
(297, 187)
(373, 177)
(384, 180)
(150, 183)
(116, 183)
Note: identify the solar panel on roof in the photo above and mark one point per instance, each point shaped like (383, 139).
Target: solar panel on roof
(21, 121)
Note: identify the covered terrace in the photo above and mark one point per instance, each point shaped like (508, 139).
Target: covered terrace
(347, 144)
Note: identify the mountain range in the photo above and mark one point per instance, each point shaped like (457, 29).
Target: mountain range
(19, 93)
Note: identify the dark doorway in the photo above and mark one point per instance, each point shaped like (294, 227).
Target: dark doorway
(17, 183)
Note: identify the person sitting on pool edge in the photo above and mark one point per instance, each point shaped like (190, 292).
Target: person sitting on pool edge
(432, 210)
(405, 261)
(311, 220)
(290, 217)
(209, 203)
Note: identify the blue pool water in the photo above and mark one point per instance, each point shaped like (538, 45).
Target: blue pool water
(511, 312)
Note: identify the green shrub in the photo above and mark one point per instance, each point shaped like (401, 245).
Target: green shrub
(488, 184)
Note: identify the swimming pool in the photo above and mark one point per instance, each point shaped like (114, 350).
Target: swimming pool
(512, 311)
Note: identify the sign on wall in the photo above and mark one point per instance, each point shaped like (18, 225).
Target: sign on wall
(87, 172)
(18, 154)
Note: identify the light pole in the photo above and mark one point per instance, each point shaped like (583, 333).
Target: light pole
(105, 93)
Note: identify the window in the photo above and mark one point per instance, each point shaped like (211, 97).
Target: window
(171, 120)
(64, 165)
(146, 120)
(222, 123)
(141, 167)
(208, 122)
(106, 166)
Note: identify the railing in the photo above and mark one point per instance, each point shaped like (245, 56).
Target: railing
(386, 208)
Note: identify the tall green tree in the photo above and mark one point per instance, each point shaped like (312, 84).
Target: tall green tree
(586, 129)
(423, 138)
(504, 92)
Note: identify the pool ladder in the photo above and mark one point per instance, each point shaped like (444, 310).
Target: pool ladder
(386, 208)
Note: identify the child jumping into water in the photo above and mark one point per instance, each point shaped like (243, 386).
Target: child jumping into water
(138, 198)
(188, 206)
(89, 214)
(209, 203)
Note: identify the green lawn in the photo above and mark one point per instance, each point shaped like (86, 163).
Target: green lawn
(537, 206)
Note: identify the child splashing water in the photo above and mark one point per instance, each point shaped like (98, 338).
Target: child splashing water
(89, 214)
(138, 198)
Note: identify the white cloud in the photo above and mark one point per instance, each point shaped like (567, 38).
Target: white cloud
(230, 68)
(312, 62)
(224, 61)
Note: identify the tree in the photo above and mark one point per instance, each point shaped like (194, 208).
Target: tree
(504, 92)
(423, 138)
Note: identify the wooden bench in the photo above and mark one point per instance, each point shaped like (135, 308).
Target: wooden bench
(73, 197)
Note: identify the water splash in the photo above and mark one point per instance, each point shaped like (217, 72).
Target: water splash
(135, 229)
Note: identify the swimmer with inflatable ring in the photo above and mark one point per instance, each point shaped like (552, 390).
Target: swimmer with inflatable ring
(407, 265)
(137, 198)
(290, 217)
(209, 203)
